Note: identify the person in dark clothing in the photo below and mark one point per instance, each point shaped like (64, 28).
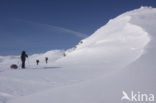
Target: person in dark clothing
(23, 58)
(37, 62)
(46, 59)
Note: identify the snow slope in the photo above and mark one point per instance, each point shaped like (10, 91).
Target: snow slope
(120, 37)
(118, 56)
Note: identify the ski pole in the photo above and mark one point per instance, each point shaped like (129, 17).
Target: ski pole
(28, 62)
(19, 63)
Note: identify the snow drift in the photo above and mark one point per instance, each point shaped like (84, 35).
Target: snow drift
(120, 37)
(118, 56)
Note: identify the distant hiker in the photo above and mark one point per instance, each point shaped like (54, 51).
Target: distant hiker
(23, 58)
(37, 62)
(46, 60)
(64, 54)
(81, 42)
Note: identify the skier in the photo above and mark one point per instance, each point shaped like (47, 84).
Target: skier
(46, 60)
(23, 58)
(37, 62)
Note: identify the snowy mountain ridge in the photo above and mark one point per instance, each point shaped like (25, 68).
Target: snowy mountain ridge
(120, 37)
(117, 36)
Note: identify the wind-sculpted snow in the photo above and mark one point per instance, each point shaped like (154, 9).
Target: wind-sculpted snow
(118, 57)
(120, 37)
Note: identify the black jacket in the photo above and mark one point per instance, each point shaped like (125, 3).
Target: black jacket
(23, 56)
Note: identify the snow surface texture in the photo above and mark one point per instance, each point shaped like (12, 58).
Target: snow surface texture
(118, 56)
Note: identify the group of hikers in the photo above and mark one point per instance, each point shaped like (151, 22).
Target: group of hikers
(24, 56)
(46, 60)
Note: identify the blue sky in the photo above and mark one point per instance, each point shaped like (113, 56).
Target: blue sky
(40, 25)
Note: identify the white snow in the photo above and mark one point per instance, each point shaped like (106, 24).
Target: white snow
(118, 56)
